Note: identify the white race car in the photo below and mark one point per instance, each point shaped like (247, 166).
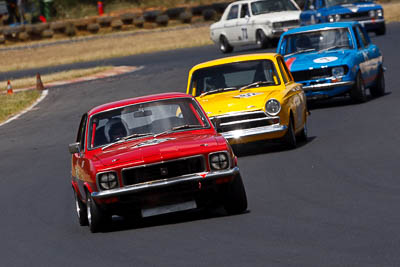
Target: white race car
(254, 22)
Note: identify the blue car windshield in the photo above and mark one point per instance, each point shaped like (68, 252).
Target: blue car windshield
(268, 6)
(314, 41)
(330, 3)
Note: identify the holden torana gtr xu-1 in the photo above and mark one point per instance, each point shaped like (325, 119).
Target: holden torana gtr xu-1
(254, 22)
(366, 12)
(149, 156)
(334, 59)
(251, 98)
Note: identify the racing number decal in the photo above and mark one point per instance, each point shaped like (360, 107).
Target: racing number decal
(244, 34)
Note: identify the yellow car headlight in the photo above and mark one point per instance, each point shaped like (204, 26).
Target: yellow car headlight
(272, 107)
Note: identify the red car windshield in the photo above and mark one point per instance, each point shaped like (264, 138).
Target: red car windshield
(145, 119)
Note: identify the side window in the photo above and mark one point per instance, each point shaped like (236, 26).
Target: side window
(285, 76)
(364, 39)
(310, 5)
(233, 13)
(81, 132)
(244, 11)
(358, 41)
(289, 75)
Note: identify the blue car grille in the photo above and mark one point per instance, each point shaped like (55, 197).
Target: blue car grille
(314, 74)
(355, 16)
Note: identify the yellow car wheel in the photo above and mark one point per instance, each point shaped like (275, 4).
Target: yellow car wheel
(289, 139)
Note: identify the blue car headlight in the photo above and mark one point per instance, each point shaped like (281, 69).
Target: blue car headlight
(372, 13)
(338, 72)
(333, 18)
(379, 13)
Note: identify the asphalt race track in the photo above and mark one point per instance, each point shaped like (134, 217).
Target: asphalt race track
(333, 201)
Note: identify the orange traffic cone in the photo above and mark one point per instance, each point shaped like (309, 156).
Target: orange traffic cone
(9, 88)
(39, 84)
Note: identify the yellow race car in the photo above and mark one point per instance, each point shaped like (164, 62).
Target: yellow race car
(251, 98)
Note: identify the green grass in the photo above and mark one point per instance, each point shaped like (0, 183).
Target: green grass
(12, 104)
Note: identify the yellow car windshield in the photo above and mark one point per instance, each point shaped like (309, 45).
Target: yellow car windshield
(234, 76)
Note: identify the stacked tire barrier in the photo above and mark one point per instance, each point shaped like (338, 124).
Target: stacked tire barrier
(126, 21)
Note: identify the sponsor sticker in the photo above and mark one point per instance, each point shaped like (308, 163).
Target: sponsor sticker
(247, 95)
(325, 59)
(153, 142)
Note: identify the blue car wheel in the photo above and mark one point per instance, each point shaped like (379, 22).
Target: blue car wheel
(381, 30)
(357, 93)
(379, 87)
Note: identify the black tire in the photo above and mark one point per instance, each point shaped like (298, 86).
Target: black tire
(80, 210)
(209, 14)
(93, 28)
(198, 10)
(138, 22)
(381, 30)
(358, 93)
(127, 18)
(173, 13)
(104, 21)
(224, 45)
(162, 20)
(151, 16)
(235, 199)
(303, 135)
(186, 17)
(379, 88)
(289, 139)
(97, 218)
(261, 40)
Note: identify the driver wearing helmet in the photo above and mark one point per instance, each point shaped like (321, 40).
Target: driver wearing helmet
(115, 129)
(216, 82)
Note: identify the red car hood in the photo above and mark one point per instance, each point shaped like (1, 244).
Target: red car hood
(162, 148)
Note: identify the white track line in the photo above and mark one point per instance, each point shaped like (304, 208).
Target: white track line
(110, 73)
(43, 96)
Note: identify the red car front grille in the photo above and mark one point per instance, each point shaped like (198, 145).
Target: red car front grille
(163, 170)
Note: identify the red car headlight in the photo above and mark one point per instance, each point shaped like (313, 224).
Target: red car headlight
(219, 161)
(107, 180)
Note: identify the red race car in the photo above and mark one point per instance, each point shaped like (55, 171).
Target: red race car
(149, 156)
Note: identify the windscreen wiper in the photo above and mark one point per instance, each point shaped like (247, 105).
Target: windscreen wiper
(333, 47)
(217, 91)
(256, 84)
(301, 51)
(123, 139)
(180, 127)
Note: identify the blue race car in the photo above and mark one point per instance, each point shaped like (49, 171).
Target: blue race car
(333, 59)
(368, 13)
